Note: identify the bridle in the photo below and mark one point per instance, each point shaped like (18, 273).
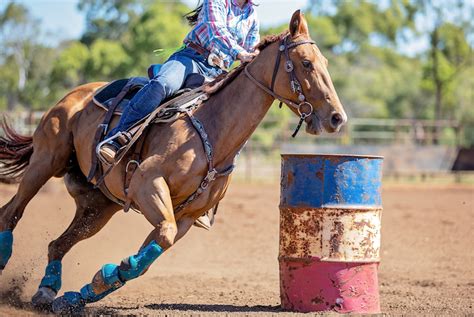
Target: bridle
(295, 85)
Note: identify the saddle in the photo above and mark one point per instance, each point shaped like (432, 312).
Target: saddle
(129, 87)
(113, 97)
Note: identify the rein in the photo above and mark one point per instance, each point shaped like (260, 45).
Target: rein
(294, 82)
(169, 112)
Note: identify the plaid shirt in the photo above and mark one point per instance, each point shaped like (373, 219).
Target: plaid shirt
(226, 29)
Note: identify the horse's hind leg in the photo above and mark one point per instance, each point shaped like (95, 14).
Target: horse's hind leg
(93, 211)
(50, 157)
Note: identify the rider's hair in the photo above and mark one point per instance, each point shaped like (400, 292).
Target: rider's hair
(192, 17)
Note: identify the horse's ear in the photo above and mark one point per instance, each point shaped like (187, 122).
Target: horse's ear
(298, 24)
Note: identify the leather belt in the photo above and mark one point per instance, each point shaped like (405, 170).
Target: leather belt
(198, 48)
(212, 59)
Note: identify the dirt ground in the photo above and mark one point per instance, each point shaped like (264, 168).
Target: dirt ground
(427, 255)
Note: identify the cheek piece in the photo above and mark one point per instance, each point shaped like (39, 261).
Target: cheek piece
(6, 245)
(110, 278)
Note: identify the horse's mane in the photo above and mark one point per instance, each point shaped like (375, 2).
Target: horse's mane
(223, 80)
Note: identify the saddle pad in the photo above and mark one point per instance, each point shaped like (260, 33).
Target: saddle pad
(104, 97)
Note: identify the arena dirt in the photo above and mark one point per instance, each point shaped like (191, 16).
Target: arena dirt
(427, 255)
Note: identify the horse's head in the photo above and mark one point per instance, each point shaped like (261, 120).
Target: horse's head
(302, 64)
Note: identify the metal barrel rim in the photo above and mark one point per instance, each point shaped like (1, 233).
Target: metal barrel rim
(322, 155)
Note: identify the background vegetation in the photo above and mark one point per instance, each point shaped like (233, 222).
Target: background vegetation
(366, 42)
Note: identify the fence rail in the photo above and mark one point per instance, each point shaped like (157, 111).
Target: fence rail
(356, 131)
(397, 139)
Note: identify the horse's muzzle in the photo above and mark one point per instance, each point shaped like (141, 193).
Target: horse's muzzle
(314, 125)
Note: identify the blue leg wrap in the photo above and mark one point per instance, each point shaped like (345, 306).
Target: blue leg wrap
(104, 282)
(52, 277)
(137, 264)
(6, 246)
(110, 278)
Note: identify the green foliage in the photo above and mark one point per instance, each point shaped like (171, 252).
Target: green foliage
(160, 27)
(323, 31)
(359, 37)
(107, 19)
(271, 129)
(380, 84)
(70, 66)
(14, 13)
(104, 59)
(453, 44)
(37, 93)
(18, 50)
(108, 60)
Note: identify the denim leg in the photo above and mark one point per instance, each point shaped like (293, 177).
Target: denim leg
(168, 81)
(200, 63)
(139, 106)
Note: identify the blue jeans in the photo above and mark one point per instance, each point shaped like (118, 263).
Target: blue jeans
(168, 81)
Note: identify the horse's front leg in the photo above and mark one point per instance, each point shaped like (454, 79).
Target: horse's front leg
(154, 200)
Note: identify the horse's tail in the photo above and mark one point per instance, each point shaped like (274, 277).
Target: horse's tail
(15, 153)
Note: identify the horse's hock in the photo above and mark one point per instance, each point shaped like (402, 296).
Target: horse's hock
(330, 211)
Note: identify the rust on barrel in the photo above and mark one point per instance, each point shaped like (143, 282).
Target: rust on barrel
(330, 212)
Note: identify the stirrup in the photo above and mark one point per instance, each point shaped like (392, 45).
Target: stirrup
(99, 146)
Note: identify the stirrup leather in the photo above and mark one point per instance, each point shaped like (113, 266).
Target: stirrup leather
(122, 138)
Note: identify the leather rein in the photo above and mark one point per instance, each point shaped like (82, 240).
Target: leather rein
(295, 85)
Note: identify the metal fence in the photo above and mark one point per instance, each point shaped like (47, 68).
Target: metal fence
(431, 144)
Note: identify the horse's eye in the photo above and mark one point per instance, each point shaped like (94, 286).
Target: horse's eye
(306, 63)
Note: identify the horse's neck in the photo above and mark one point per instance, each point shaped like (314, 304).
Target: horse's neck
(232, 115)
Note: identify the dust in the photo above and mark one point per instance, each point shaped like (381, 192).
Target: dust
(11, 293)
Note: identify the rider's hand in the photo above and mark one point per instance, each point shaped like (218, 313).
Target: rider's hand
(246, 57)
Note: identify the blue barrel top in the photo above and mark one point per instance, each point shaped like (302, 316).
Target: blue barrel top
(322, 180)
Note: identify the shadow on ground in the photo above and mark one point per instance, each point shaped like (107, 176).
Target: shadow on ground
(215, 308)
(223, 308)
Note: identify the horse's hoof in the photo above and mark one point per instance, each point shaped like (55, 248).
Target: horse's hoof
(43, 298)
(69, 303)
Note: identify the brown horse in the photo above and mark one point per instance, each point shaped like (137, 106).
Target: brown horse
(173, 162)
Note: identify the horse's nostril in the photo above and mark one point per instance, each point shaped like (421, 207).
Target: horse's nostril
(336, 120)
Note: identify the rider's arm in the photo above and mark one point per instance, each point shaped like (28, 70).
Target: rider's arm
(215, 17)
(253, 37)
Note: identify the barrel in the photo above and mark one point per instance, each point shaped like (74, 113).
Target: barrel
(330, 216)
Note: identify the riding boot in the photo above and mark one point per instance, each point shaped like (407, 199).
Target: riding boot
(141, 105)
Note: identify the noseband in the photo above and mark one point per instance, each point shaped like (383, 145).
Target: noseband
(295, 85)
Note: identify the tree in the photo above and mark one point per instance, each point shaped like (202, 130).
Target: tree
(108, 19)
(122, 34)
(161, 26)
(18, 46)
(107, 61)
(360, 22)
(323, 31)
(70, 68)
(449, 50)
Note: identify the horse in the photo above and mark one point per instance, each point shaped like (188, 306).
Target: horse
(174, 163)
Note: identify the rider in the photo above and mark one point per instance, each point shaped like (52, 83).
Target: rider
(223, 31)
